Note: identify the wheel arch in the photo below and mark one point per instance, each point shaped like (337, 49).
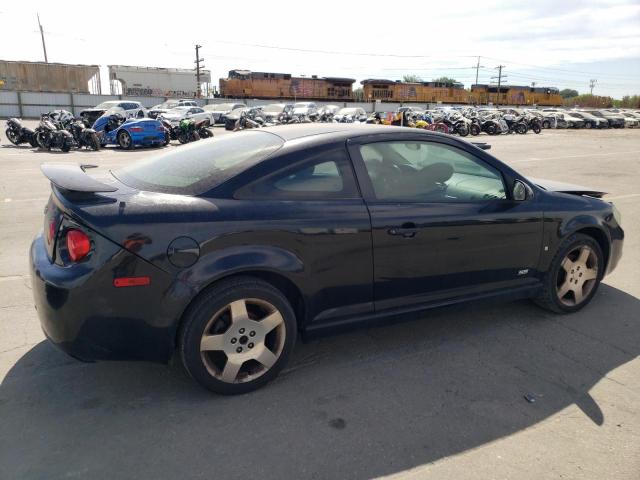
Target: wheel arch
(280, 281)
(601, 238)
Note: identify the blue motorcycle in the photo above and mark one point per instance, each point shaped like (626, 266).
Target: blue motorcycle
(116, 129)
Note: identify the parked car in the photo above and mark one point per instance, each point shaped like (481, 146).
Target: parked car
(572, 122)
(253, 113)
(220, 110)
(275, 111)
(551, 120)
(630, 120)
(131, 110)
(113, 128)
(194, 113)
(614, 120)
(308, 109)
(350, 115)
(590, 121)
(223, 251)
(168, 105)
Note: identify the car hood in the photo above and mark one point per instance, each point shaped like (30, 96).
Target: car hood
(561, 187)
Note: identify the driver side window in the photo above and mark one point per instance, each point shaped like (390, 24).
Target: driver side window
(411, 171)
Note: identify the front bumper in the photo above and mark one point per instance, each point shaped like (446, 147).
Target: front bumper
(83, 314)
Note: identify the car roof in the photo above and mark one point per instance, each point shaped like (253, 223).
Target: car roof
(330, 131)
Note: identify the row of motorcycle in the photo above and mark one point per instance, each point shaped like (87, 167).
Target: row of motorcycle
(60, 130)
(54, 131)
(465, 122)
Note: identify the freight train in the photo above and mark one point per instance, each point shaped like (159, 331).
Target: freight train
(262, 85)
(244, 83)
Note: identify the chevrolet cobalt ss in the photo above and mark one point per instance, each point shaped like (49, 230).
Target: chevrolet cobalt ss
(223, 251)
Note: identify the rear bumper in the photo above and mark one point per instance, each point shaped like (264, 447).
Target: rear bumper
(83, 314)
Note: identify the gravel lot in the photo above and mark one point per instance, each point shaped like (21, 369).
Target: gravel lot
(439, 397)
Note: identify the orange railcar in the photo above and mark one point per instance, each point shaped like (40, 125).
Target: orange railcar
(422, 92)
(244, 83)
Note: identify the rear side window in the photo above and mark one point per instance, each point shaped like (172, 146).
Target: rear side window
(322, 176)
(199, 167)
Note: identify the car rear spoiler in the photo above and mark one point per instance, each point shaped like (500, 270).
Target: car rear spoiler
(482, 145)
(74, 179)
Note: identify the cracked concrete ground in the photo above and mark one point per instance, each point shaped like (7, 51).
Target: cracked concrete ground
(439, 396)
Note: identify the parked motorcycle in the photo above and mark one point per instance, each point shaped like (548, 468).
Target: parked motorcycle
(83, 136)
(202, 127)
(245, 122)
(188, 132)
(534, 124)
(516, 124)
(49, 136)
(19, 134)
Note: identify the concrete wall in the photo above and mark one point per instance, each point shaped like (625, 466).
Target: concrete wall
(33, 104)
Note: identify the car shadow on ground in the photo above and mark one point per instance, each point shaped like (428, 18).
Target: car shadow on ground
(362, 404)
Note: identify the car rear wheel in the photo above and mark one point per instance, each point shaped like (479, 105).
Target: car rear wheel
(237, 336)
(574, 275)
(124, 140)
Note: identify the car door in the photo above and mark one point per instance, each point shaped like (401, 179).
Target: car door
(311, 205)
(443, 223)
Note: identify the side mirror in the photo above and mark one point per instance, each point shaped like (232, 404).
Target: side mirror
(521, 191)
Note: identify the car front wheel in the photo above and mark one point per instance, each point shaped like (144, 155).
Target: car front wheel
(574, 275)
(237, 336)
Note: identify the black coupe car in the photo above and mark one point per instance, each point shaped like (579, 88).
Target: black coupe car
(223, 251)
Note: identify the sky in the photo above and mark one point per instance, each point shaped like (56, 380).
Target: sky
(553, 43)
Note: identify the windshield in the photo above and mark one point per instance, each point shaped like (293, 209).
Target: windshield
(274, 107)
(347, 111)
(201, 166)
(166, 105)
(221, 107)
(179, 110)
(107, 105)
(302, 105)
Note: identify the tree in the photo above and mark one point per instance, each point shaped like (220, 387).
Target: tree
(411, 78)
(358, 95)
(447, 80)
(568, 93)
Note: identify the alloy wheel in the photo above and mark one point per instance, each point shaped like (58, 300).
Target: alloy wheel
(243, 340)
(577, 276)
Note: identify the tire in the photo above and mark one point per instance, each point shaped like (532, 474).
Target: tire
(167, 139)
(66, 146)
(588, 125)
(124, 140)
(474, 130)
(536, 128)
(12, 136)
(210, 316)
(546, 124)
(558, 275)
(40, 141)
(462, 130)
(491, 129)
(94, 142)
(195, 136)
(183, 138)
(33, 141)
(521, 128)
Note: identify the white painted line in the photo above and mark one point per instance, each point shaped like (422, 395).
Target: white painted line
(533, 159)
(620, 197)
(39, 199)
(12, 278)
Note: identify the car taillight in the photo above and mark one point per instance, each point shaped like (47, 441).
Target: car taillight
(136, 129)
(78, 244)
(52, 230)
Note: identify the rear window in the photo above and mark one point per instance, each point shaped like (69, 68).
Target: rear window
(199, 167)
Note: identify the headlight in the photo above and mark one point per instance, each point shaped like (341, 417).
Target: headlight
(616, 214)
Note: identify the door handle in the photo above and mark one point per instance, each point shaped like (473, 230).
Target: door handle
(406, 230)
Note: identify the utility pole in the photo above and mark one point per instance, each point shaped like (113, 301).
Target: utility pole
(478, 67)
(533, 84)
(44, 47)
(499, 77)
(198, 67)
(592, 83)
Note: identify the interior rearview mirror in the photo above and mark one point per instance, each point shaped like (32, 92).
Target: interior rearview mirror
(521, 191)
